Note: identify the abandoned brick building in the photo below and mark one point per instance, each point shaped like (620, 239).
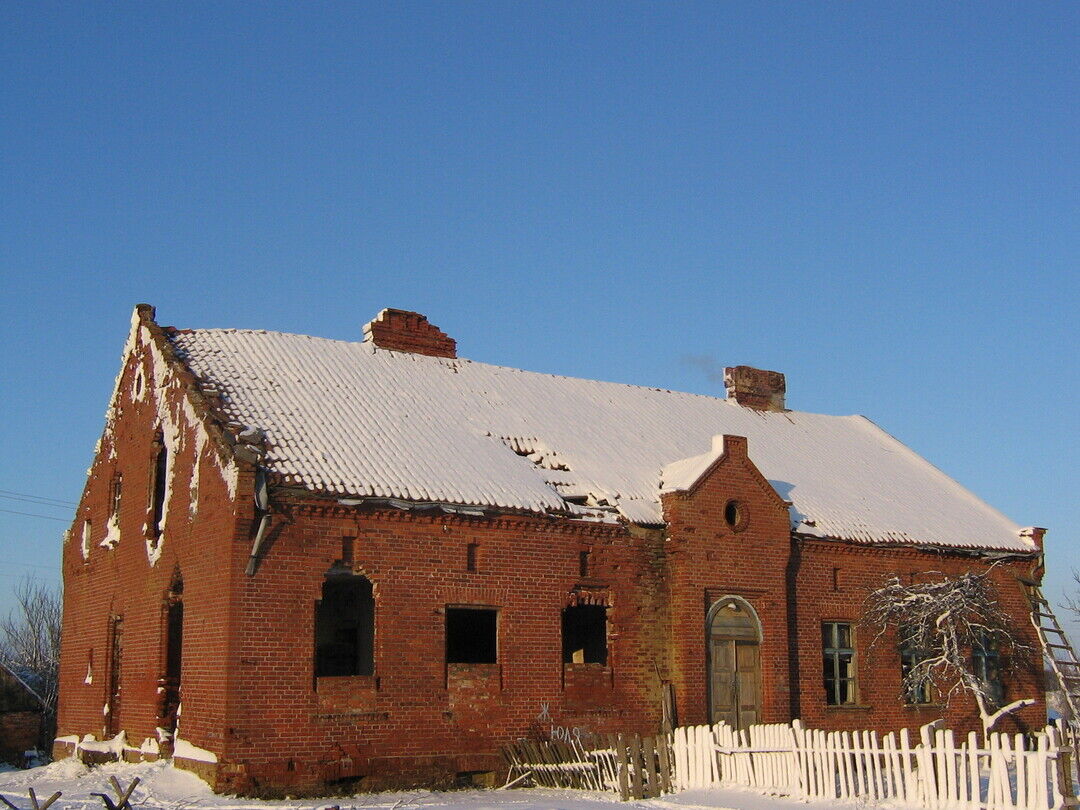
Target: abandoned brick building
(299, 561)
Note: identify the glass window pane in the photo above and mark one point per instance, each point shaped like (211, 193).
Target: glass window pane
(844, 692)
(845, 665)
(843, 635)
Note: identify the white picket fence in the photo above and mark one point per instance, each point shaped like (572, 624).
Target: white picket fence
(934, 773)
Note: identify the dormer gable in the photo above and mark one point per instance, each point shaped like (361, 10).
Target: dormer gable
(726, 484)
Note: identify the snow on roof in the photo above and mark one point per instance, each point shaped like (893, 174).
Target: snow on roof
(354, 420)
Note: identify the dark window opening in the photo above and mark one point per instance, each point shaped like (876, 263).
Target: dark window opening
(584, 634)
(986, 664)
(157, 504)
(471, 635)
(472, 551)
(345, 627)
(836, 579)
(838, 647)
(583, 563)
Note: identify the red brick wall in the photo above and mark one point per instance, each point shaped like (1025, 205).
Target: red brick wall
(417, 713)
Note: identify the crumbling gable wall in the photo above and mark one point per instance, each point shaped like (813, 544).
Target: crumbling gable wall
(118, 566)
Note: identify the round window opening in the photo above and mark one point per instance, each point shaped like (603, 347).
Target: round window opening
(735, 515)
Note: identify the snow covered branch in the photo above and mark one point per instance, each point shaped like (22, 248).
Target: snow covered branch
(955, 636)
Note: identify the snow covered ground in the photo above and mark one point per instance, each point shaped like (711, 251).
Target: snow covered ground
(163, 787)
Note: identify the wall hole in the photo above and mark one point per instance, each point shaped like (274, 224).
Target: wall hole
(584, 634)
(471, 635)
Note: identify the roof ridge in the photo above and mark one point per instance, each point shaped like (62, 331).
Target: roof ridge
(455, 360)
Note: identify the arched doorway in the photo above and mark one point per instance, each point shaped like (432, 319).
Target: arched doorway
(734, 663)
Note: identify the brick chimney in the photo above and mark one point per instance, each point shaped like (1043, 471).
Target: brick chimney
(404, 331)
(755, 388)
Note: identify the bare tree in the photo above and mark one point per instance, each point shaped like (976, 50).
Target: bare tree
(30, 644)
(941, 623)
(1072, 600)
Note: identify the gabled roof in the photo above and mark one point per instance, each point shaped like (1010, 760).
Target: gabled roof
(355, 420)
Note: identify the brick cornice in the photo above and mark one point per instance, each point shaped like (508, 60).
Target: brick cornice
(437, 517)
(831, 544)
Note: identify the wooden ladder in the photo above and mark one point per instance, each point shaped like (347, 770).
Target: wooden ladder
(1058, 651)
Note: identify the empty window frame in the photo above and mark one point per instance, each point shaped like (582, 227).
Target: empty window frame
(838, 648)
(584, 634)
(345, 627)
(986, 665)
(471, 635)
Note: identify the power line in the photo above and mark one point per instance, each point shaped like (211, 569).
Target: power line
(31, 514)
(36, 502)
(33, 565)
(8, 492)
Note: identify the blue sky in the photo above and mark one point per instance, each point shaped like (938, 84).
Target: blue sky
(879, 199)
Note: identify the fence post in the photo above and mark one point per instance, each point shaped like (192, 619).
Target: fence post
(1065, 775)
(624, 773)
(798, 781)
(1062, 767)
(927, 780)
(635, 767)
(663, 745)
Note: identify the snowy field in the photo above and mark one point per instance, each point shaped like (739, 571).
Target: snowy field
(163, 787)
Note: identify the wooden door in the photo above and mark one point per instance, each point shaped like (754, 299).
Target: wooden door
(748, 679)
(723, 682)
(734, 664)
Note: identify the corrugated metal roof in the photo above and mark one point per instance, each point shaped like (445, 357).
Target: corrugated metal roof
(354, 420)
